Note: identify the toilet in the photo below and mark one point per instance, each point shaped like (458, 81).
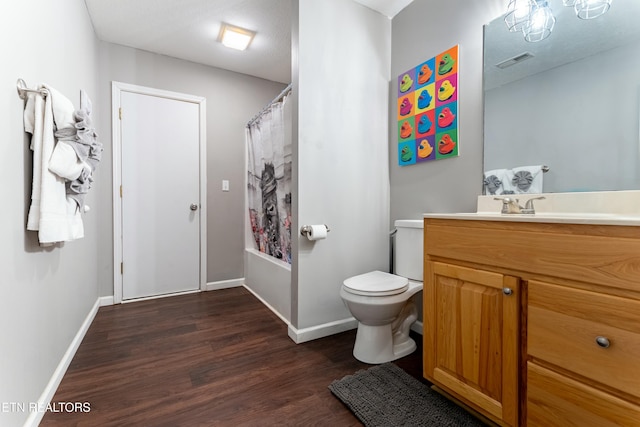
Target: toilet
(382, 302)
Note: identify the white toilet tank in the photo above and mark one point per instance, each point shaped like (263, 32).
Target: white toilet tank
(407, 254)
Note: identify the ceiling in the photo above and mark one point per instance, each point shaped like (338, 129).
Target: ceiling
(188, 29)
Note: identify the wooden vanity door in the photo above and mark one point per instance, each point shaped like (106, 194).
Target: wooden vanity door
(471, 337)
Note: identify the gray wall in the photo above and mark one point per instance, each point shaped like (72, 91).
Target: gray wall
(45, 294)
(340, 158)
(422, 30)
(232, 99)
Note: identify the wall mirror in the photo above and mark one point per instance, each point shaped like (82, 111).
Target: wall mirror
(570, 102)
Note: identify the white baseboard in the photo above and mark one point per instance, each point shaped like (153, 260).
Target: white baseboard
(50, 390)
(269, 306)
(224, 284)
(104, 301)
(212, 286)
(320, 331)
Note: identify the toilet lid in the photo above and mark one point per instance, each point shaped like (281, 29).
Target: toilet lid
(376, 283)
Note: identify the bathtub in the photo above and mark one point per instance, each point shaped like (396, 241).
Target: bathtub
(269, 279)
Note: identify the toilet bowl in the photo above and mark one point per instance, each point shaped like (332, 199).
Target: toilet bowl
(384, 316)
(382, 302)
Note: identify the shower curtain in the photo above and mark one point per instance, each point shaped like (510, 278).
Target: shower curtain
(269, 180)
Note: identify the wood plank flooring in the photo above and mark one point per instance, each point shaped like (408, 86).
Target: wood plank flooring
(218, 358)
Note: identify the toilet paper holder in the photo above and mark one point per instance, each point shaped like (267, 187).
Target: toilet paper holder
(305, 230)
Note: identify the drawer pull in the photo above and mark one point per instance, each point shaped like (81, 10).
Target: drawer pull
(603, 342)
(507, 291)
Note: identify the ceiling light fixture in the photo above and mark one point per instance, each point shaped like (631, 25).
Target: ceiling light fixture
(517, 15)
(540, 23)
(235, 37)
(536, 20)
(589, 9)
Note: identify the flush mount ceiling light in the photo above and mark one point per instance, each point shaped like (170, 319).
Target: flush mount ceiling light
(536, 20)
(235, 37)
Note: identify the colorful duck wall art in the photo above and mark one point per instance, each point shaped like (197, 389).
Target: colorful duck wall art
(427, 109)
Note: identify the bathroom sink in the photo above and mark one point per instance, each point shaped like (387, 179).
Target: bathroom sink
(604, 208)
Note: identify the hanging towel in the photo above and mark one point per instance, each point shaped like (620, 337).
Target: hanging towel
(77, 153)
(55, 217)
(526, 179)
(494, 181)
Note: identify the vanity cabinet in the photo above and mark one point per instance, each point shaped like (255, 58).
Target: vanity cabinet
(534, 323)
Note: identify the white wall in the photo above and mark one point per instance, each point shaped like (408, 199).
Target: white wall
(420, 31)
(45, 294)
(564, 118)
(232, 100)
(341, 81)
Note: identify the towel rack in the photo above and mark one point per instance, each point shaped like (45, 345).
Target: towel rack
(22, 88)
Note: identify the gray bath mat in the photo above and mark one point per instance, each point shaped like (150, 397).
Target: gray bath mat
(385, 396)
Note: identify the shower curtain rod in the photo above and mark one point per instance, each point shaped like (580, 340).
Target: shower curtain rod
(276, 99)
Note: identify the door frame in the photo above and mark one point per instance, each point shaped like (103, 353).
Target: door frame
(116, 90)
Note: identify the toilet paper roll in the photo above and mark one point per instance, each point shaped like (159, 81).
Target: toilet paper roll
(317, 232)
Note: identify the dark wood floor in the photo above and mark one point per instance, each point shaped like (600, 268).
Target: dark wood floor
(217, 358)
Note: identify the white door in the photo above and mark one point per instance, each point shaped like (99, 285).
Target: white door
(160, 195)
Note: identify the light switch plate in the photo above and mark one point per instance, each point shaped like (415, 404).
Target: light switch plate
(225, 185)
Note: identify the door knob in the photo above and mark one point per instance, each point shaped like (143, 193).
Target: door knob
(193, 207)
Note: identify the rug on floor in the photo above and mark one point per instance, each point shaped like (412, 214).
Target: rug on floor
(385, 395)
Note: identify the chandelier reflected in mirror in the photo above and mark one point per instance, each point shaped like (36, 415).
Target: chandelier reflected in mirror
(536, 20)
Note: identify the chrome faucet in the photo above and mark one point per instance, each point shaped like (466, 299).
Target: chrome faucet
(509, 205)
(512, 206)
(528, 207)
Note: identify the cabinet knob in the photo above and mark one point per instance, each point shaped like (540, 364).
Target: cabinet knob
(193, 207)
(603, 342)
(507, 291)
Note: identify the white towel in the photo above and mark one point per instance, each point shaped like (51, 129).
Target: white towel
(525, 179)
(56, 218)
(495, 185)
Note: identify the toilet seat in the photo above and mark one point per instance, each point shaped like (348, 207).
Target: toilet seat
(376, 283)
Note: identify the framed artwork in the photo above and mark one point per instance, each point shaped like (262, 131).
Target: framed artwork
(428, 110)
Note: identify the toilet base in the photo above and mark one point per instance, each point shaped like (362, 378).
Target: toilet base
(376, 344)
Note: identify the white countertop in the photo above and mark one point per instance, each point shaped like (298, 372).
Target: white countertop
(604, 208)
(561, 218)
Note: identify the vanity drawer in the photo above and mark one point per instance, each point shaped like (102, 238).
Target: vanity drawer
(555, 400)
(563, 324)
